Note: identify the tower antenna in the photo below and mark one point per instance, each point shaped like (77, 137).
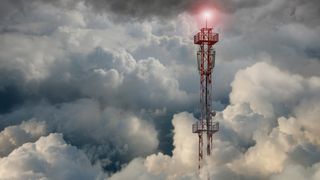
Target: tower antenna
(206, 125)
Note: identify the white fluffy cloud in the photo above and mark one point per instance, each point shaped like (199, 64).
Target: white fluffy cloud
(274, 96)
(182, 164)
(48, 158)
(268, 92)
(104, 133)
(14, 136)
(264, 146)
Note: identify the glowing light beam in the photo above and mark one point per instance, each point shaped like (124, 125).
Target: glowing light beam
(207, 15)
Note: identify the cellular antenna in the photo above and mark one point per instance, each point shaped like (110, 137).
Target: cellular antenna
(206, 22)
(206, 125)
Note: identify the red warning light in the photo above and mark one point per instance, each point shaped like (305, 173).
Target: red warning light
(207, 14)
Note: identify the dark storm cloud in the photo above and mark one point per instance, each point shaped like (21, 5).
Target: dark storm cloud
(141, 8)
(127, 9)
(301, 10)
(10, 98)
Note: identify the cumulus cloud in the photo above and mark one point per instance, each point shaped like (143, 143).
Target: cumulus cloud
(48, 158)
(159, 166)
(56, 78)
(14, 136)
(274, 142)
(104, 133)
(251, 144)
(112, 88)
(258, 90)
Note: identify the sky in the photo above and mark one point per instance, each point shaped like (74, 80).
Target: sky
(109, 89)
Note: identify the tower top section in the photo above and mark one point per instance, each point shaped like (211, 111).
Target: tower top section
(206, 36)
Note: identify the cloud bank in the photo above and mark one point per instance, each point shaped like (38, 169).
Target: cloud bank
(48, 158)
(109, 94)
(252, 144)
(255, 141)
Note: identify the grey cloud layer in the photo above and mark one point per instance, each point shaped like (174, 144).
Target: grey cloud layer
(299, 10)
(89, 93)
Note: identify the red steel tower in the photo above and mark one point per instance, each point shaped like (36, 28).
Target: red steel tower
(206, 38)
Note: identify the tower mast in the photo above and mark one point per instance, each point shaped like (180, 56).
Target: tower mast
(206, 38)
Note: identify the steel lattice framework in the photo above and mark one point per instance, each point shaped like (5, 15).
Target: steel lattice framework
(206, 38)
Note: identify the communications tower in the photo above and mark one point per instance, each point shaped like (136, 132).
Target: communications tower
(206, 126)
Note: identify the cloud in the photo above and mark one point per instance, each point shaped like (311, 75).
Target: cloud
(57, 78)
(48, 158)
(298, 172)
(105, 133)
(160, 166)
(124, 9)
(284, 96)
(269, 93)
(251, 144)
(139, 10)
(14, 136)
(111, 87)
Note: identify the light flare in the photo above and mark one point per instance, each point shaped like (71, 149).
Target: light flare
(207, 14)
